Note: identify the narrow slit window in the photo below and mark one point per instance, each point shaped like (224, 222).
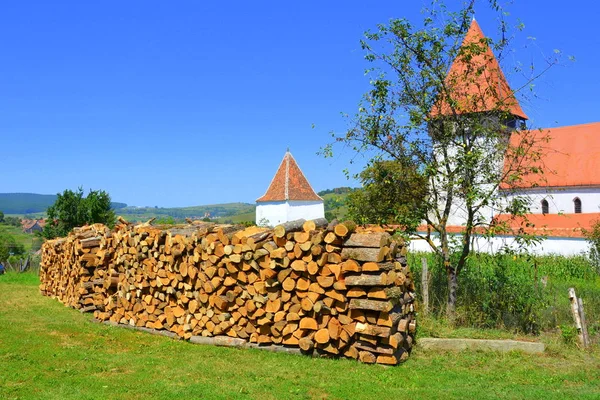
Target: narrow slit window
(544, 206)
(577, 204)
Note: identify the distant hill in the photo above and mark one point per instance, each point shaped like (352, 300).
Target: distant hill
(213, 211)
(335, 202)
(335, 207)
(31, 203)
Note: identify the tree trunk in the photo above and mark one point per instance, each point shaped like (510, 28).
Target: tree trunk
(452, 289)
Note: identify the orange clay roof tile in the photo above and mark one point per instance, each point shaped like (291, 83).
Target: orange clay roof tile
(551, 225)
(571, 157)
(477, 85)
(289, 183)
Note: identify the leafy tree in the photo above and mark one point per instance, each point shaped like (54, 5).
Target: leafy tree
(461, 131)
(392, 193)
(9, 246)
(593, 238)
(1, 217)
(72, 209)
(13, 221)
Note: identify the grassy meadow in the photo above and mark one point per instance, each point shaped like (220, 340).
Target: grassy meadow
(29, 241)
(48, 351)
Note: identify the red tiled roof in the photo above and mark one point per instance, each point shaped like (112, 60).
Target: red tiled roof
(28, 223)
(571, 157)
(289, 183)
(476, 81)
(553, 225)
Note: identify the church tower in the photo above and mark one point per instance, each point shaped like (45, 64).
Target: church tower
(476, 107)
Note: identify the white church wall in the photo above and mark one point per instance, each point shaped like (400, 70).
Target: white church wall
(305, 209)
(560, 200)
(271, 213)
(551, 245)
(278, 212)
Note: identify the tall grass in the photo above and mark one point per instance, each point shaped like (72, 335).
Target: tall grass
(523, 293)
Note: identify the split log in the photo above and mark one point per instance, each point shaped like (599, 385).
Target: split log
(374, 240)
(375, 305)
(365, 253)
(344, 229)
(291, 226)
(366, 280)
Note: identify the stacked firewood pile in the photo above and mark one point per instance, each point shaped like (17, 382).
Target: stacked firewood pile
(329, 289)
(73, 269)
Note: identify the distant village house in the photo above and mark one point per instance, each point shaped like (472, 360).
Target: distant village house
(33, 225)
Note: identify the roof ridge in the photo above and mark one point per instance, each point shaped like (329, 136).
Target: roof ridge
(287, 174)
(569, 126)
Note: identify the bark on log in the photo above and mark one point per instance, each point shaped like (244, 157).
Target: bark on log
(375, 240)
(375, 305)
(366, 280)
(291, 226)
(364, 253)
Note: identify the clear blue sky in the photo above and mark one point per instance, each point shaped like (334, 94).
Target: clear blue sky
(195, 102)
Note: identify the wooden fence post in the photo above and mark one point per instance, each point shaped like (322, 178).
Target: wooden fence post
(425, 285)
(584, 331)
(579, 318)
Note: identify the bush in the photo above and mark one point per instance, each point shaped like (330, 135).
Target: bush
(515, 292)
(593, 238)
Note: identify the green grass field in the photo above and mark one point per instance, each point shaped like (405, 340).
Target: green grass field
(48, 351)
(27, 240)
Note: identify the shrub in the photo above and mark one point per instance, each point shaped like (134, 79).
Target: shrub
(517, 292)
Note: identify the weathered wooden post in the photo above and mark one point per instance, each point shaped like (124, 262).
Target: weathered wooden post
(579, 318)
(425, 285)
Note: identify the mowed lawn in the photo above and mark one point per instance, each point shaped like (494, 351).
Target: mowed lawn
(48, 351)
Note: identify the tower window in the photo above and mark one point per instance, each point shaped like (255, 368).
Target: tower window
(544, 206)
(577, 204)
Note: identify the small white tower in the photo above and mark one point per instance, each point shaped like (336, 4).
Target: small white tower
(289, 197)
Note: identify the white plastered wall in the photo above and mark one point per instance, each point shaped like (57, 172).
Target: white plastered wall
(549, 245)
(277, 212)
(560, 200)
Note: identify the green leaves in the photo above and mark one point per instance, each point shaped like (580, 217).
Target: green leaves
(9, 246)
(393, 192)
(72, 209)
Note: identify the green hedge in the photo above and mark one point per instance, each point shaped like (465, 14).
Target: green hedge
(515, 292)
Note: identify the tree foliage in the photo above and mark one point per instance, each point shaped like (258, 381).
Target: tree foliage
(392, 193)
(593, 238)
(72, 209)
(458, 130)
(9, 247)
(12, 221)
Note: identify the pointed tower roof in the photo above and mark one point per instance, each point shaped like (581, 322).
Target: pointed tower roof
(476, 81)
(289, 183)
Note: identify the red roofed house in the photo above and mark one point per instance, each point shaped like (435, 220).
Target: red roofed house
(566, 197)
(289, 197)
(33, 225)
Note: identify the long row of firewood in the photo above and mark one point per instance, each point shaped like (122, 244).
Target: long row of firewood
(332, 289)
